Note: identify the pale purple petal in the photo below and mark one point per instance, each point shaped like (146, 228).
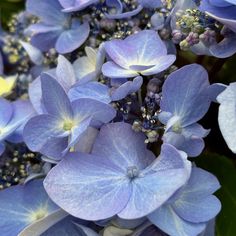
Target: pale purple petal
(54, 98)
(127, 88)
(47, 11)
(87, 140)
(226, 48)
(45, 41)
(198, 211)
(162, 63)
(112, 70)
(81, 193)
(227, 115)
(40, 130)
(98, 111)
(35, 95)
(6, 111)
(167, 220)
(185, 94)
(93, 90)
(65, 73)
(72, 39)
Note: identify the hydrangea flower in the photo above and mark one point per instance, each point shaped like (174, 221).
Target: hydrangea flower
(13, 117)
(55, 29)
(186, 97)
(23, 205)
(120, 176)
(59, 129)
(227, 115)
(187, 212)
(141, 53)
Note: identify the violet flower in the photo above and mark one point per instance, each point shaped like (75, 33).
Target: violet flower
(141, 53)
(186, 97)
(120, 177)
(59, 129)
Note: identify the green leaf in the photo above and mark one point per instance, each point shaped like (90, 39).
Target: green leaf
(224, 169)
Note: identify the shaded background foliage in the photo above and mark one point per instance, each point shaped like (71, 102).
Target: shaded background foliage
(217, 158)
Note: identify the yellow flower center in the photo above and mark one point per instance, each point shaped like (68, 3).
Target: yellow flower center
(38, 214)
(68, 125)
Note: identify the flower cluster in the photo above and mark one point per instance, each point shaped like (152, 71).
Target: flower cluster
(94, 95)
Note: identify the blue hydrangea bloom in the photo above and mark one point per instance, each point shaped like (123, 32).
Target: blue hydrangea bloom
(141, 53)
(227, 115)
(55, 29)
(13, 117)
(187, 212)
(120, 176)
(23, 205)
(56, 131)
(186, 97)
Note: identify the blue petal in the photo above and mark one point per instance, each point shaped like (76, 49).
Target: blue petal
(185, 94)
(65, 73)
(112, 70)
(88, 186)
(54, 98)
(227, 115)
(72, 39)
(193, 146)
(6, 110)
(35, 95)
(98, 111)
(76, 5)
(45, 41)
(127, 88)
(40, 130)
(92, 90)
(47, 11)
(226, 48)
(167, 220)
(87, 140)
(198, 211)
